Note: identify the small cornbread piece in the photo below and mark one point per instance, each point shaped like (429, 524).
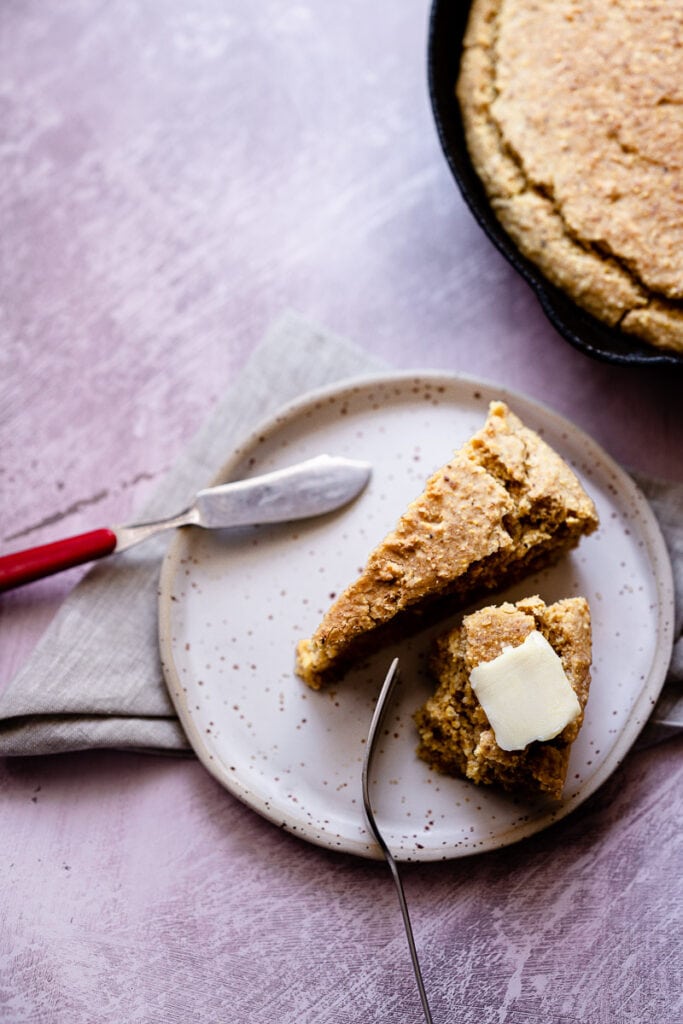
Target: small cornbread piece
(504, 506)
(456, 736)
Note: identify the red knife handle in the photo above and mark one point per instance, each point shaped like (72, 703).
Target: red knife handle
(34, 563)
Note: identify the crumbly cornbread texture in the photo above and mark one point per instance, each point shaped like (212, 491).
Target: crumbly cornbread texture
(455, 734)
(505, 505)
(573, 115)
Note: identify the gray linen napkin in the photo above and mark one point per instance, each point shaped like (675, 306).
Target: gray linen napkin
(94, 680)
(666, 501)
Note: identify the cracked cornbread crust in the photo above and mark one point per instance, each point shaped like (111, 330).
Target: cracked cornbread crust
(573, 116)
(504, 506)
(455, 735)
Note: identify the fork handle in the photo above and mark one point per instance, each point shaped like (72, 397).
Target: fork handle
(24, 566)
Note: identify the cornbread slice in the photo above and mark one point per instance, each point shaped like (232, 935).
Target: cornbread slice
(455, 735)
(572, 117)
(505, 505)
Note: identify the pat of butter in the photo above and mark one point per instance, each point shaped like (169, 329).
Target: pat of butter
(525, 693)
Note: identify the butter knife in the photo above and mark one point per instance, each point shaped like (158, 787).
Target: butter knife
(309, 488)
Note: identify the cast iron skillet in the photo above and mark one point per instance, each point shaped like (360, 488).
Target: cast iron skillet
(446, 30)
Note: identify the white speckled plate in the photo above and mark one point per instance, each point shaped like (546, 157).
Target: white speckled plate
(234, 604)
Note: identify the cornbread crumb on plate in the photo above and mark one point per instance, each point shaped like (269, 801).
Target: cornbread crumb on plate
(573, 116)
(506, 505)
(455, 734)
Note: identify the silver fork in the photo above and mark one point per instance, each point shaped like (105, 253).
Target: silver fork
(383, 700)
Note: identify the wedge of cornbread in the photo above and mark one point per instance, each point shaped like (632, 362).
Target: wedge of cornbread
(505, 505)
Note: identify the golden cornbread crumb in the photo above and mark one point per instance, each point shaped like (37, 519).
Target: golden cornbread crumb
(455, 735)
(573, 120)
(504, 506)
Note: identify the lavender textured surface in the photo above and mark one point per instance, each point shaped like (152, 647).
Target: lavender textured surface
(172, 178)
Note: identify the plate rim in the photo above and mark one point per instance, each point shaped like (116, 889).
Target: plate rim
(637, 717)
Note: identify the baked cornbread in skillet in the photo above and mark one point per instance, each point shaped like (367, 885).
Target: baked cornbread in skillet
(573, 119)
